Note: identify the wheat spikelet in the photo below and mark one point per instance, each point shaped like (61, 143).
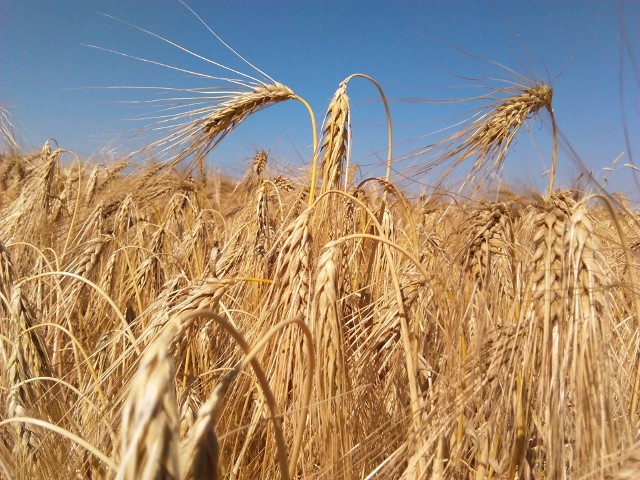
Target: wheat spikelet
(106, 279)
(284, 184)
(189, 403)
(259, 164)
(498, 128)
(586, 277)
(113, 170)
(486, 140)
(292, 269)
(335, 139)
(153, 170)
(206, 132)
(551, 325)
(205, 293)
(263, 222)
(91, 255)
(333, 380)
(31, 346)
(594, 412)
(124, 217)
(149, 275)
(6, 272)
(489, 246)
(149, 444)
(547, 262)
(231, 113)
(92, 183)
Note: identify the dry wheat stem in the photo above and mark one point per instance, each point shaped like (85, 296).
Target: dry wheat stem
(276, 418)
(308, 389)
(388, 117)
(65, 433)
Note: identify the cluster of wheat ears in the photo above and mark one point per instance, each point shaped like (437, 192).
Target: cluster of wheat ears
(161, 322)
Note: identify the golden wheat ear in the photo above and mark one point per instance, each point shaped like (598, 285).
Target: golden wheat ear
(149, 443)
(484, 139)
(495, 131)
(335, 136)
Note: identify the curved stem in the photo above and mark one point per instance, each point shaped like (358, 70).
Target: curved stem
(78, 345)
(388, 113)
(308, 388)
(185, 319)
(65, 433)
(635, 397)
(554, 153)
(409, 341)
(314, 161)
(123, 320)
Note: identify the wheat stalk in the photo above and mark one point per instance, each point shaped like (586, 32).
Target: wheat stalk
(333, 381)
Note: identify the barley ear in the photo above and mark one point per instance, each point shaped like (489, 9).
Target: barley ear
(201, 452)
(149, 444)
(335, 138)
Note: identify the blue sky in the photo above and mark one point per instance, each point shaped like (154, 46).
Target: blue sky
(48, 78)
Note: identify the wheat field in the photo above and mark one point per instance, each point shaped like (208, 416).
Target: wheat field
(163, 322)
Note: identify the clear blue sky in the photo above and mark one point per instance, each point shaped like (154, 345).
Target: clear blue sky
(311, 46)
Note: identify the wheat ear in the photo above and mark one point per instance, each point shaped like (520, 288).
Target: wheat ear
(335, 136)
(149, 444)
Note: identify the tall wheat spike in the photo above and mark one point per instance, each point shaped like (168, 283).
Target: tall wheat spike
(291, 293)
(334, 144)
(149, 445)
(333, 380)
(549, 284)
(259, 165)
(28, 360)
